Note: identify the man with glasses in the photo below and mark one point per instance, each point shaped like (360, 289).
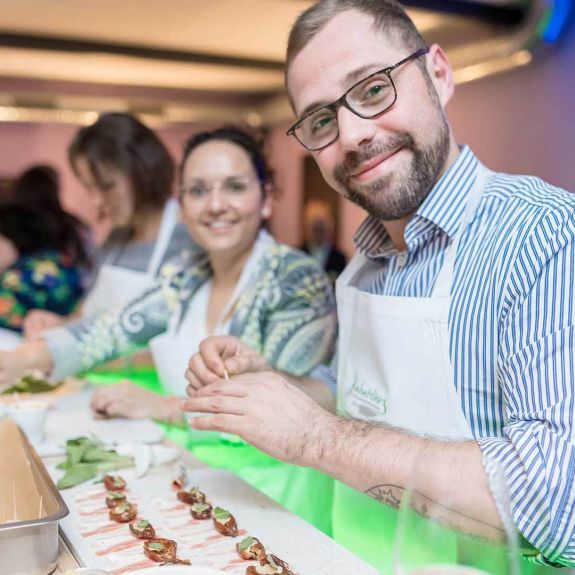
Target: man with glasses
(456, 314)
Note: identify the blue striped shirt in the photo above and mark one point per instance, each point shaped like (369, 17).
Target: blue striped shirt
(512, 331)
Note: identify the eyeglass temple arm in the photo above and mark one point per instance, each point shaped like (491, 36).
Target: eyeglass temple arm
(413, 56)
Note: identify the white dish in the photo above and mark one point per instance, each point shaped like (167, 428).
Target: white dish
(178, 570)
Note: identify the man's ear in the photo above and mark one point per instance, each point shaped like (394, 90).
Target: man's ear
(440, 73)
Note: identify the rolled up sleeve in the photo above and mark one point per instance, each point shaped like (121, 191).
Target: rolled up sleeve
(536, 452)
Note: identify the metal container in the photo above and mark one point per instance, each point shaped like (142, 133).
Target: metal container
(31, 547)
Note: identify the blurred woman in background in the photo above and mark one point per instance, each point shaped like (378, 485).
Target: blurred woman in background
(277, 300)
(130, 175)
(39, 188)
(40, 265)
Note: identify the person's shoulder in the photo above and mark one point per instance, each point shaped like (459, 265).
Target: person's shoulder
(528, 202)
(293, 261)
(182, 248)
(45, 267)
(531, 191)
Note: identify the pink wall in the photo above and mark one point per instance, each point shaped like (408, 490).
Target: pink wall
(23, 145)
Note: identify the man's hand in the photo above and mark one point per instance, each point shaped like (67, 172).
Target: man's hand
(219, 355)
(266, 411)
(38, 320)
(126, 399)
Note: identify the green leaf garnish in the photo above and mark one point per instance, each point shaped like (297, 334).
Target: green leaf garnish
(221, 514)
(142, 524)
(116, 495)
(85, 458)
(245, 543)
(272, 562)
(156, 546)
(199, 507)
(31, 384)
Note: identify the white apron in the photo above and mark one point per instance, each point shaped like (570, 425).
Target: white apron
(172, 350)
(394, 368)
(116, 286)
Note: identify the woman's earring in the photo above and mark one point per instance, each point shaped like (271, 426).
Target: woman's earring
(266, 212)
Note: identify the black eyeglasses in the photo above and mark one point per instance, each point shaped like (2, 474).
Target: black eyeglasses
(368, 98)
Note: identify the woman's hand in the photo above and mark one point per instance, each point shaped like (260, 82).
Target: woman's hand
(29, 356)
(38, 320)
(127, 400)
(221, 355)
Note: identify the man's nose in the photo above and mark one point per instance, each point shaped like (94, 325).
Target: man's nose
(354, 131)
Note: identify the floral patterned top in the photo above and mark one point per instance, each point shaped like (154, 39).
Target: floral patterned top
(47, 280)
(286, 313)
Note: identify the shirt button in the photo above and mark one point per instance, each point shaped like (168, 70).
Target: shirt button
(400, 260)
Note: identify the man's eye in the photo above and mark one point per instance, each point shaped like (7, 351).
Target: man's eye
(320, 123)
(375, 91)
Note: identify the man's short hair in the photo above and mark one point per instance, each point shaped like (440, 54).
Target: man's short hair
(388, 16)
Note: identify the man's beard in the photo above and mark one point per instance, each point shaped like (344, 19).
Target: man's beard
(378, 198)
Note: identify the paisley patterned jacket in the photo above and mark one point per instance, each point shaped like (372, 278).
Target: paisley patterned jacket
(286, 313)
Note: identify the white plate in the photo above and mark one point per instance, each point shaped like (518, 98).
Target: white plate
(178, 570)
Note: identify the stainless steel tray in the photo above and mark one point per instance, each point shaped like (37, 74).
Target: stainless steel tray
(31, 547)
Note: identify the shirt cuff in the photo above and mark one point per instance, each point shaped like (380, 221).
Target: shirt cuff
(64, 351)
(327, 374)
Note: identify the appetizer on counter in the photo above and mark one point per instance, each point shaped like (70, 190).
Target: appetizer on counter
(142, 529)
(201, 511)
(270, 565)
(181, 477)
(114, 483)
(194, 495)
(123, 512)
(250, 548)
(224, 522)
(163, 551)
(114, 498)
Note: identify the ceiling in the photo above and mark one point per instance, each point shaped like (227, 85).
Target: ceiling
(201, 60)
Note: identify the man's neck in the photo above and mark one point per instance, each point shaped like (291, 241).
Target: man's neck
(396, 228)
(396, 231)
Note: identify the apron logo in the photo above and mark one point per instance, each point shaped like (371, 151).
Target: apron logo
(367, 401)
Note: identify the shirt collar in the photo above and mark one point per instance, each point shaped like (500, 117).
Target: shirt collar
(443, 208)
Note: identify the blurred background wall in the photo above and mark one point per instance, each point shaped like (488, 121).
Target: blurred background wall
(519, 121)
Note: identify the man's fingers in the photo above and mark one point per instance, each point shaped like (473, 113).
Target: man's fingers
(219, 404)
(224, 422)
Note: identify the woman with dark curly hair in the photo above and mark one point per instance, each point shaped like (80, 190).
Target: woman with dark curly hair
(40, 265)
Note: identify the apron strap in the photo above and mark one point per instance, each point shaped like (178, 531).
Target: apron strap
(443, 282)
(167, 225)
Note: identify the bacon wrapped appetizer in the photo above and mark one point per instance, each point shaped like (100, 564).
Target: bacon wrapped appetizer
(201, 511)
(181, 477)
(250, 548)
(123, 512)
(163, 551)
(114, 498)
(142, 529)
(224, 522)
(270, 565)
(114, 483)
(194, 495)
